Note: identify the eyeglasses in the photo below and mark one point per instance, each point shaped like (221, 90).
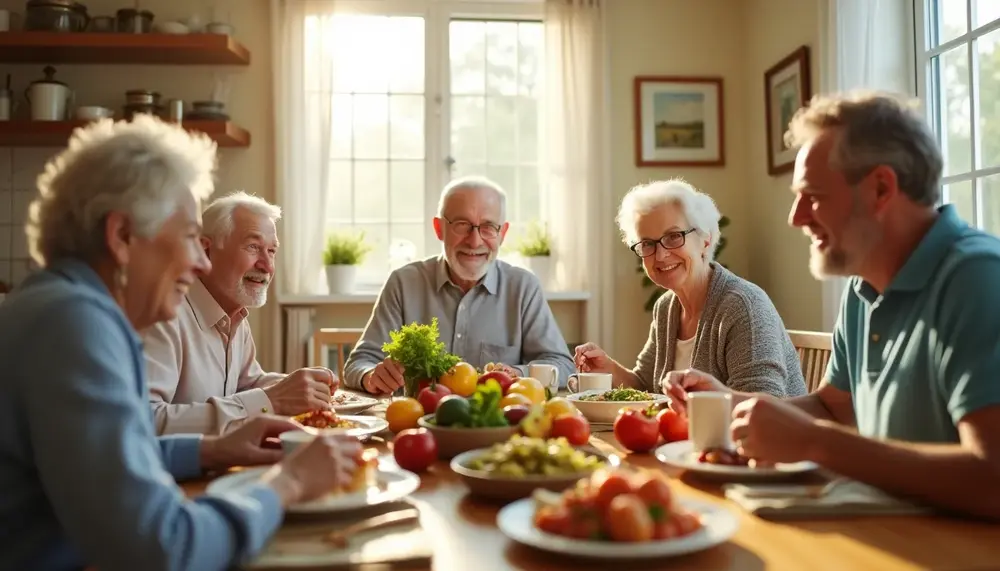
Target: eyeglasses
(669, 241)
(486, 230)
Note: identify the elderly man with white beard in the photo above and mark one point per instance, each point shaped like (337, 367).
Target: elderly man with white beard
(487, 310)
(202, 366)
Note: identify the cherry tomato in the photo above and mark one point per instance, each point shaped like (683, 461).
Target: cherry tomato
(430, 397)
(686, 523)
(655, 492)
(666, 529)
(555, 520)
(673, 427)
(414, 449)
(636, 430)
(612, 486)
(628, 519)
(573, 427)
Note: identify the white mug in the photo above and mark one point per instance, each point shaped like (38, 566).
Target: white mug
(709, 417)
(589, 381)
(548, 375)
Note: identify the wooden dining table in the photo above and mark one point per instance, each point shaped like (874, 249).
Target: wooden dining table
(465, 536)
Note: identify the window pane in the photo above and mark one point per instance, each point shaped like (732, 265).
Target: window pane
(468, 169)
(468, 129)
(529, 194)
(340, 205)
(371, 191)
(951, 72)
(376, 265)
(528, 129)
(353, 35)
(506, 177)
(413, 233)
(962, 196)
(406, 66)
(529, 57)
(501, 58)
(467, 41)
(990, 187)
(406, 120)
(371, 126)
(986, 12)
(989, 99)
(501, 126)
(406, 191)
(951, 17)
(340, 126)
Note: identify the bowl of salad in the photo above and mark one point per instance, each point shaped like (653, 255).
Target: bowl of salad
(602, 406)
(465, 423)
(517, 467)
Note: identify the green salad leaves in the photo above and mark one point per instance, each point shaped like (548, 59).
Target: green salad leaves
(417, 349)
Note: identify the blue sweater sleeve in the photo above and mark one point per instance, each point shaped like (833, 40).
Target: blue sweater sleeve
(109, 479)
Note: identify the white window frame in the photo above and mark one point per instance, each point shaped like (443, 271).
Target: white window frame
(437, 69)
(925, 91)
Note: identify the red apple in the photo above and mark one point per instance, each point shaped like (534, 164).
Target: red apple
(500, 377)
(429, 397)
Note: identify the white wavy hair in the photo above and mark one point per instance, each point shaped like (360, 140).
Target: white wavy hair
(477, 183)
(217, 219)
(142, 168)
(698, 208)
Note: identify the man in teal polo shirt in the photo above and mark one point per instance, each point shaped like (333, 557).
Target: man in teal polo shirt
(911, 400)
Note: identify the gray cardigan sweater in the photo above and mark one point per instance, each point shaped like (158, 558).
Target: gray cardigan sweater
(741, 340)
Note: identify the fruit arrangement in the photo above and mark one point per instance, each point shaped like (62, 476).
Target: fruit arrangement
(640, 430)
(615, 505)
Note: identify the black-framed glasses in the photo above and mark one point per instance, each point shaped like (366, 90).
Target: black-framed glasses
(486, 230)
(669, 241)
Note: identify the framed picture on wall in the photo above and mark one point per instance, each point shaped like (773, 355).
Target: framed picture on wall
(678, 121)
(787, 88)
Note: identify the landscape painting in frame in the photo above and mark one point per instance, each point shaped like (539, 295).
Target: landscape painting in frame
(786, 90)
(678, 121)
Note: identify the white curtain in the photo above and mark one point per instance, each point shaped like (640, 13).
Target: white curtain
(865, 44)
(302, 139)
(574, 155)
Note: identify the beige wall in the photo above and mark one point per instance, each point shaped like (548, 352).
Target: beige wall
(734, 39)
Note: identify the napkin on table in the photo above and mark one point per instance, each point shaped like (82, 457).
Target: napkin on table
(845, 499)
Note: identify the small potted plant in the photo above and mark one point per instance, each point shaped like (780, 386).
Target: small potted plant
(342, 256)
(535, 248)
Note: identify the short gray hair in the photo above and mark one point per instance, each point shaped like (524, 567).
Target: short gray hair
(697, 207)
(143, 168)
(474, 183)
(875, 129)
(217, 219)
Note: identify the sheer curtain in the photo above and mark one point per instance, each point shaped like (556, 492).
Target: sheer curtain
(574, 140)
(303, 67)
(865, 44)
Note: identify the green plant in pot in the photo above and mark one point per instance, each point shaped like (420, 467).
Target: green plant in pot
(342, 256)
(657, 290)
(424, 358)
(535, 247)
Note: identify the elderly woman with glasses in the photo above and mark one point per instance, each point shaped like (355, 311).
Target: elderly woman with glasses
(711, 328)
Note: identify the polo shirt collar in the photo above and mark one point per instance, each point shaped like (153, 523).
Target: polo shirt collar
(207, 311)
(930, 252)
(491, 281)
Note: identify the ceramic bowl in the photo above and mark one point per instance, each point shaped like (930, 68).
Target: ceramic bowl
(453, 441)
(606, 411)
(506, 488)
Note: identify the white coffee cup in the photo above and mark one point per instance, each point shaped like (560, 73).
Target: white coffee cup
(589, 381)
(548, 375)
(709, 417)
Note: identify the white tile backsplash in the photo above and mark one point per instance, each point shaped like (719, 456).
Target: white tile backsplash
(22, 199)
(5, 242)
(28, 164)
(5, 273)
(19, 243)
(6, 206)
(19, 168)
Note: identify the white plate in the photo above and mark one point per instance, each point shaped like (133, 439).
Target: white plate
(516, 521)
(369, 425)
(682, 455)
(607, 411)
(356, 404)
(391, 483)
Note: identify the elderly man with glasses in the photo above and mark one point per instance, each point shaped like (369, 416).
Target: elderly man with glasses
(710, 324)
(488, 311)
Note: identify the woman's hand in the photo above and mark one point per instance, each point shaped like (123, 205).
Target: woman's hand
(677, 384)
(315, 468)
(589, 358)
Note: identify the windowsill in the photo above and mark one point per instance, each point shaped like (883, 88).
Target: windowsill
(368, 297)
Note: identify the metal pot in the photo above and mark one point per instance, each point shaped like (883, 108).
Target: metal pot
(134, 21)
(142, 97)
(49, 99)
(55, 16)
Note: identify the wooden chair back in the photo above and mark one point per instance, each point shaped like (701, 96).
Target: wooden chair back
(343, 340)
(814, 349)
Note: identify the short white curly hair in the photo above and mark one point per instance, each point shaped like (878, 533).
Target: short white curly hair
(142, 168)
(699, 209)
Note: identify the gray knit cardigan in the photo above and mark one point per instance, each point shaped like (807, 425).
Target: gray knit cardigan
(741, 340)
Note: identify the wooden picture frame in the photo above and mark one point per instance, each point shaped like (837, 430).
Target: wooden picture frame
(787, 88)
(678, 121)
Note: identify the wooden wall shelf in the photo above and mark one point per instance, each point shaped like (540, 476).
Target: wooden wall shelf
(57, 133)
(114, 48)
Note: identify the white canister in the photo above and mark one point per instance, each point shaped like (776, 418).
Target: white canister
(49, 99)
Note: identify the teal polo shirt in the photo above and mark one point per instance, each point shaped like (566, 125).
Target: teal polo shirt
(926, 352)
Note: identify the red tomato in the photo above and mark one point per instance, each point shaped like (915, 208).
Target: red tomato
(612, 486)
(430, 397)
(555, 520)
(500, 377)
(673, 427)
(572, 427)
(636, 430)
(628, 519)
(414, 449)
(655, 492)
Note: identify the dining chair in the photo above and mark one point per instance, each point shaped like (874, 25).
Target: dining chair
(343, 340)
(814, 348)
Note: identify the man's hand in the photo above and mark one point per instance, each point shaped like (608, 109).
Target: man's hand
(302, 391)
(384, 379)
(677, 384)
(772, 430)
(252, 443)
